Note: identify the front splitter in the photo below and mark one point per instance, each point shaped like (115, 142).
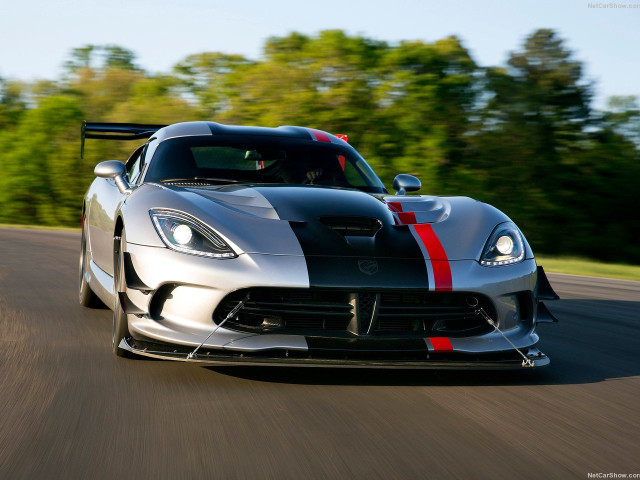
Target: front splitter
(221, 357)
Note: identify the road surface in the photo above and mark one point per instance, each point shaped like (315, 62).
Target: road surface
(70, 409)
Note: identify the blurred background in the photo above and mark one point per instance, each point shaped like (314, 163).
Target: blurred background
(532, 107)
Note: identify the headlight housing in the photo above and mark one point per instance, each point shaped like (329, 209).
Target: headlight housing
(185, 234)
(505, 246)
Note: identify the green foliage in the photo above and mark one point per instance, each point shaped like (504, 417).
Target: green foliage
(118, 58)
(39, 182)
(563, 176)
(623, 117)
(12, 103)
(112, 57)
(521, 136)
(204, 77)
(81, 58)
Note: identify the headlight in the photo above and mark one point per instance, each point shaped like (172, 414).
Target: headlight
(185, 234)
(505, 246)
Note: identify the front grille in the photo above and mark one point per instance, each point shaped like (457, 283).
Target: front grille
(345, 313)
(296, 309)
(366, 303)
(445, 314)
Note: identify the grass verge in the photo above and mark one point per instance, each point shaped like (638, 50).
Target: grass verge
(591, 268)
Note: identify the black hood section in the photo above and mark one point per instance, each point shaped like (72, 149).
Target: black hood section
(349, 238)
(323, 217)
(306, 203)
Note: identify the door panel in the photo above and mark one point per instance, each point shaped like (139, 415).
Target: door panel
(103, 202)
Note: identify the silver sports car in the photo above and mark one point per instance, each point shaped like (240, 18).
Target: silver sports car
(226, 244)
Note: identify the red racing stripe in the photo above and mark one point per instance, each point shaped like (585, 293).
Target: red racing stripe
(407, 218)
(320, 136)
(441, 344)
(404, 218)
(395, 206)
(438, 257)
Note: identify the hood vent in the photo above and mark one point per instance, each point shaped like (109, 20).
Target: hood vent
(352, 226)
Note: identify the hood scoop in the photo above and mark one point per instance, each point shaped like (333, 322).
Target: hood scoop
(352, 226)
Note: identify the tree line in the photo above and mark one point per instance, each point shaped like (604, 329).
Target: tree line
(523, 136)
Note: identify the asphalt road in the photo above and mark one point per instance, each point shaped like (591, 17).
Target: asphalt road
(70, 409)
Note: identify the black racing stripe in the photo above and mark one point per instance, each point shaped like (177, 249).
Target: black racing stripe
(350, 272)
(284, 131)
(390, 259)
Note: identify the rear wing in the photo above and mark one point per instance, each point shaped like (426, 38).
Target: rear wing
(116, 131)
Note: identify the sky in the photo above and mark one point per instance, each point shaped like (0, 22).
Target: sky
(37, 35)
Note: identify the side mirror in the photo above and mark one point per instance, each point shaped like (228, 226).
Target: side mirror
(116, 170)
(404, 183)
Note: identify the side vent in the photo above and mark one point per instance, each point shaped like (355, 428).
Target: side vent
(131, 277)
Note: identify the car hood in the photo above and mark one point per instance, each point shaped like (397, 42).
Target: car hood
(327, 221)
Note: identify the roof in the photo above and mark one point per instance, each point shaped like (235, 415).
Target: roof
(212, 128)
(136, 131)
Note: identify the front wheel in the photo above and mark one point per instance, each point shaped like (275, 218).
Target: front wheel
(120, 324)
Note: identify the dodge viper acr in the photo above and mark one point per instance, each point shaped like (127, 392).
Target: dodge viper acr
(250, 245)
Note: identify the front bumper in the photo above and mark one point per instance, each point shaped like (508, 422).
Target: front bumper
(173, 313)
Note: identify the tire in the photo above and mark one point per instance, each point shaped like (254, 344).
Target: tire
(86, 297)
(120, 328)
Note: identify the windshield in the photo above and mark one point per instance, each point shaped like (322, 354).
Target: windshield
(261, 159)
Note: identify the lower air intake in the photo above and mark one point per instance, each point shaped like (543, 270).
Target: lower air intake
(346, 313)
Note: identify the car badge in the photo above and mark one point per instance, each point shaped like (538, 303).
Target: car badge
(369, 267)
